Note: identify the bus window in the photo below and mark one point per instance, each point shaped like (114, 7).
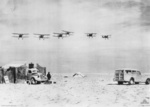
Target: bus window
(128, 71)
(133, 71)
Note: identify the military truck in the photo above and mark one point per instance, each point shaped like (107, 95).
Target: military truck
(34, 77)
(130, 76)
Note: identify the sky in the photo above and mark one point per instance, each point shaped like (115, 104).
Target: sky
(127, 21)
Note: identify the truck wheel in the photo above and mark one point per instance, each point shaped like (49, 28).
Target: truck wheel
(38, 82)
(131, 82)
(120, 82)
(147, 81)
(33, 81)
(28, 82)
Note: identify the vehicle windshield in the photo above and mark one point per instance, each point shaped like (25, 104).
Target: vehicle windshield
(34, 74)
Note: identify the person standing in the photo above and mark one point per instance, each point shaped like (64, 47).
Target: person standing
(48, 76)
(3, 80)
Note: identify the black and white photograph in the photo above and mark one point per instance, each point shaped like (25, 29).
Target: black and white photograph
(74, 53)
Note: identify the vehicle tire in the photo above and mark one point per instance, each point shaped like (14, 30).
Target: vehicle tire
(136, 82)
(147, 81)
(131, 82)
(28, 82)
(33, 81)
(38, 82)
(120, 82)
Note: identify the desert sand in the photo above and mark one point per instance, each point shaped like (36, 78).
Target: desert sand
(94, 90)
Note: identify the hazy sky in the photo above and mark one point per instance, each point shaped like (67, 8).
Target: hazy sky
(128, 22)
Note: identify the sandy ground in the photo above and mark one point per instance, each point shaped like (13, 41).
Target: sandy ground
(91, 91)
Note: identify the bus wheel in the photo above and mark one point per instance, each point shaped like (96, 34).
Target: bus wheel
(38, 82)
(120, 82)
(131, 82)
(136, 82)
(147, 81)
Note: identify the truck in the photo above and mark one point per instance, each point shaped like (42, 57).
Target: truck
(130, 76)
(34, 77)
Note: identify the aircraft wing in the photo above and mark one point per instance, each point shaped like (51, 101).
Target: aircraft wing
(46, 37)
(36, 34)
(106, 35)
(42, 34)
(64, 36)
(46, 34)
(15, 36)
(88, 33)
(67, 31)
(16, 33)
(36, 37)
(56, 33)
(20, 33)
(25, 36)
(55, 36)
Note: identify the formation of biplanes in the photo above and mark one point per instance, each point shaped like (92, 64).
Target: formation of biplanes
(62, 35)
